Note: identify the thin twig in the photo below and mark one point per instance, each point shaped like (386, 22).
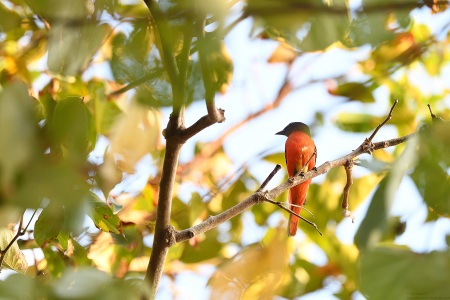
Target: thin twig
(269, 178)
(280, 205)
(348, 171)
(384, 122)
(434, 118)
(19, 233)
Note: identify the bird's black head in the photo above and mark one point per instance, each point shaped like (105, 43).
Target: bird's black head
(295, 126)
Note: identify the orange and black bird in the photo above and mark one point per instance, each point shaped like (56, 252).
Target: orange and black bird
(301, 154)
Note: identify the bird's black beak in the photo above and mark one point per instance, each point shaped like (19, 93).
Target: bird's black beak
(280, 132)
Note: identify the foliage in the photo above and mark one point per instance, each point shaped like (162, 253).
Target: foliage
(85, 87)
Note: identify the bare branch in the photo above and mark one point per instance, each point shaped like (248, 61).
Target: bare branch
(281, 205)
(348, 171)
(384, 122)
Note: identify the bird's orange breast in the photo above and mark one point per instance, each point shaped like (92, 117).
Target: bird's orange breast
(299, 149)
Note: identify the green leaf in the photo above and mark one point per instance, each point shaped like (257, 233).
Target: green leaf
(17, 130)
(302, 23)
(404, 274)
(14, 259)
(102, 215)
(8, 19)
(378, 225)
(276, 158)
(356, 122)
(369, 28)
(180, 213)
(78, 253)
(209, 247)
(55, 261)
(431, 173)
(17, 286)
(71, 48)
(105, 112)
(72, 127)
(355, 91)
(49, 224)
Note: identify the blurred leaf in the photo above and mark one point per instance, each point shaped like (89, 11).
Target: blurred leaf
(276, 158)
(49, 224)
(378, 224)
(302, 23)
(197, 208)
(103, 216)
(72, 126)
(17, 286)
(8, 19)
(105, 112)
(195, 87)
(207, 247)
(256, 272)
(70, 48)
(431, 173)
(17, 130)
(14, 259)
(404, 274)
(78, 253)
(180, 214)
(134, 135)
(355, 91)
(55, 261)
(284, 53)
(57, 10)
(356, 122)
(81, 283)
(369, 28)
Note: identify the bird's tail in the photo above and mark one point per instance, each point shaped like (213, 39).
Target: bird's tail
(293, 220)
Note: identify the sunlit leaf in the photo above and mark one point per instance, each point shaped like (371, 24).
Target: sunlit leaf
(103, 216)
(105, 112)
(256, 272)
(135, 134)
(14, 259)
(356, 122)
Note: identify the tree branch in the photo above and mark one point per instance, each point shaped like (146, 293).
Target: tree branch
(19, 233)
(269, 196)
(348, 170)
(160, 246)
